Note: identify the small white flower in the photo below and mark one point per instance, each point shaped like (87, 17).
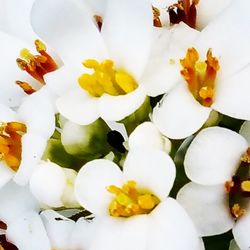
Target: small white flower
(115, 89)
(212, 162)
(131, 206)
(216, 83)
(24, 136)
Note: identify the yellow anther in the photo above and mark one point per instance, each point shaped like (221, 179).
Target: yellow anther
(129, 201)
(146, 201)
(40, 46)
(245, 186)
(237, 211)
(201, 67)
(106, 79)
(228, 186)
(200, 75)
(25, 54)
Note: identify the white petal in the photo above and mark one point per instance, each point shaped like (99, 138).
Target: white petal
(28, 232)
(33, 147)
(38, 113)
(83, 234)
(117, 233)
(206, 11)
(91, 183)
(214, 155)
(15, 201)
(232, 97)
(127, 31)
(152, 170)
(21, 28)
(58, 229)
(78, 106)
(11, 94)
(179, 115)
(98, 7)
(208, 207)
(231, 60)
(47, 184)
(69, 28)
(245, 131)
(6, 173)
(63, 79)
(240, 231)
(7, 114)
(115, 108)
(169, 221)
(153, 140)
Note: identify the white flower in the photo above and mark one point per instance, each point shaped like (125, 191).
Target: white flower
(53, 186)
(122, 202)
(213, 162)
(24, 136)
(77, 39)
(216, 83)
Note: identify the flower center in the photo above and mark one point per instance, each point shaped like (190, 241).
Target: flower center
(10, 143)
(130, 201)
(106, 79)
(200, 75)
(35, 65)
(183, 11)
(239, 187)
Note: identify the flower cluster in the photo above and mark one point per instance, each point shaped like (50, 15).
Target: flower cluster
(124, 124)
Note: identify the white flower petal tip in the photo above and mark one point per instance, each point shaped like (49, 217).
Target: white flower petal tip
(214, 155)
(58, 228)
(153, 140)
(240, 230)
(33, 147)
(91, 183)
(135, 19)
(116, 108)
(28, 232)
(179, 115)
(152, 170)
(202, 203)
(245, 131)
(15, 201)
(47, 184)
(168, 221)
(79, 107)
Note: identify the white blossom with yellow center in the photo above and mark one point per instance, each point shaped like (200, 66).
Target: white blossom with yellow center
(131, 207)
(206, 72)
(109, 84)
(23, 137)
(211, 162)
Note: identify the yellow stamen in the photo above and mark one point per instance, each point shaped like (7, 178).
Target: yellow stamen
(245, 186)
(36, 65)
(130, 201)
(200, 75)
(11, 143)
(228, 186)
(106, 79)
(237, 211)
(246, 156)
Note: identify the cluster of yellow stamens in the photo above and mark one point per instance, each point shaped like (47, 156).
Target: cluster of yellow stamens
(10, 143)
(106, 79)
(200, 75)
(35, 65)
(129, 201)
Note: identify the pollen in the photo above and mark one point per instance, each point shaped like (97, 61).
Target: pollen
(11, 143)
(200, 75)
(36, 65)
(130, 201)
(237, 211)
(106, 79)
